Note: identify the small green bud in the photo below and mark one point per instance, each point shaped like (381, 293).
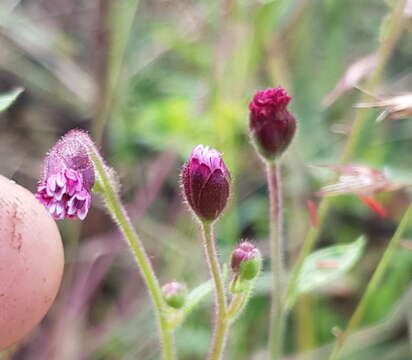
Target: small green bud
(175, 294)
(249, 269)
(246, 261)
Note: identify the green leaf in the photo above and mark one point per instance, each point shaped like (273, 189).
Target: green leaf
(8, 99)
(177, 316)
(327, 265)
(195, 297)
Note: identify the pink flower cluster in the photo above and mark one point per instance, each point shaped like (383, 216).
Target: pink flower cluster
(64, 195)
(68, 177)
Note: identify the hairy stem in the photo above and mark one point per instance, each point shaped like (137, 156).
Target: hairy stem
(277, 318)
(221, 325)
(118, 213)
(373, 284)
(391, 35)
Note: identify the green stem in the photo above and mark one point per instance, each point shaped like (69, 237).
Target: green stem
(305, 325)
(387, 44)
(373, 284)
(238, 303)
(221, 326)
(118, 213)
(277, 320)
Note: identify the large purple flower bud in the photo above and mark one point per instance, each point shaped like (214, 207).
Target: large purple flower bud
(206, 182)
(68, 177)
(271, 125)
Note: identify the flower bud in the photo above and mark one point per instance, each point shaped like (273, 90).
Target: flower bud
(246, 261)
(68, 178)
(175, 294)
(206, 180)
(271, 126)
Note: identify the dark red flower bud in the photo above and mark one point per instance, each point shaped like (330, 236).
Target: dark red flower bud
(271, 125)
(246, 260)
(68, 178)
(206, 182)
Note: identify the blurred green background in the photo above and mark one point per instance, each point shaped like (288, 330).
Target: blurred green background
(151, 79)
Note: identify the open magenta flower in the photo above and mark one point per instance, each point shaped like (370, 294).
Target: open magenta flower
(206, 182)
(68, 177)
(271, 125)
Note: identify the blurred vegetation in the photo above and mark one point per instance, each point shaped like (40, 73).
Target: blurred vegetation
(153, 78)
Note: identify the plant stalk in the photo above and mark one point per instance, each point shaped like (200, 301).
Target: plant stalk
(119, 214)
(237, 304)
(221, 325)
(277, 318)
(373, 284)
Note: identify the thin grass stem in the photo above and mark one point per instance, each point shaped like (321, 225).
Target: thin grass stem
(373, 284)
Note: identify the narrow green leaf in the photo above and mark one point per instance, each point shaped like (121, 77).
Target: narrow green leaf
(9, 98)
(196, 296)
(327, 265)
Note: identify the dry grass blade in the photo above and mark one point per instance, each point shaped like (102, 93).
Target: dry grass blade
(359, 180)
(395, 107)
(354, 73)
(39, 42)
